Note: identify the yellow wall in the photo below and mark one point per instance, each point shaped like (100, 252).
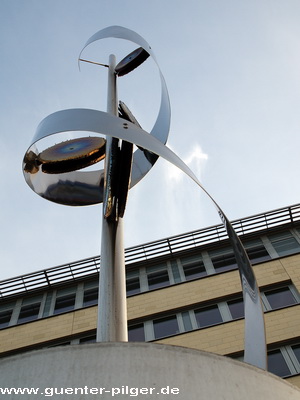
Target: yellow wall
(294, 380)
(48, 329)
(281, 325)
(202, 290)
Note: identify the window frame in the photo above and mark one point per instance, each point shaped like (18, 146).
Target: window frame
(207, 307)
(28, 319)
(267, 305)
(284, 235)
(131, 275)
(156, 269)
(170, 316)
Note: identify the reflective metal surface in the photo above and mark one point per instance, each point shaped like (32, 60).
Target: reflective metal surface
(142, 163)
(79, 188)
(72, 155)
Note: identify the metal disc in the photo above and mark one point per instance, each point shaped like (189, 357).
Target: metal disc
(72, 155)
(131, 61)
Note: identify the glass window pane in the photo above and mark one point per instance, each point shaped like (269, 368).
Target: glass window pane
(64, 303)
(277, 364)
(133, 285)
(224, 262)
(66, 291)
(90, 297)
(194, 270)
(208, 316)
(296, 350)
(280, 298)
(136, 333)
(158, 279)
(284, 243)
(29, 313)
(236, 308)
(165, 327)
(258, 253)
(5, 318)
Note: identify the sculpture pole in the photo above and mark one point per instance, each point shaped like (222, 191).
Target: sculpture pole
(112, 310)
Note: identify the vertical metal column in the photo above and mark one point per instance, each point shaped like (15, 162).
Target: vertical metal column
(112, 308)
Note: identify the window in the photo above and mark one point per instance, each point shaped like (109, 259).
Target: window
(223, 262)
(90, 297)
(133, 283)
(136, 333)
(165, 327)
(5, 318)
(157, 277)
(256, 251)
(277, 364)
(296, 350)
(236, 308)
(284, 243)
(208, 316)
(64, 303)
(278, 298)
(194, 270)
(29, 312)
(282, 362)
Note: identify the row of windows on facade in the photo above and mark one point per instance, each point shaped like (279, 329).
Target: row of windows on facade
(206, 316)
(283, 361)
(168, 325)
(149, 278)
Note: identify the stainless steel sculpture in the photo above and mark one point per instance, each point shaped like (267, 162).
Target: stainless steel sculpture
(54, 173)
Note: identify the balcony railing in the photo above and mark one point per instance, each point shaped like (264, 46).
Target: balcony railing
(90, 266)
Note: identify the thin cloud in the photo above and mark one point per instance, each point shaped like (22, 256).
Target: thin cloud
(195, 159)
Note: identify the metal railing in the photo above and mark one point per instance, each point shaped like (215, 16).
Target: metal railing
(90, 266)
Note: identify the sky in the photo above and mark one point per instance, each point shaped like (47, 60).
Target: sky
(233, 74)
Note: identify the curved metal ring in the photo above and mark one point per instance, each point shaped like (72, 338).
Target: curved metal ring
(79, 188)
(141, 164)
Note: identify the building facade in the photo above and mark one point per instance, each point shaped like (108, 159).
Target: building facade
(184, 290)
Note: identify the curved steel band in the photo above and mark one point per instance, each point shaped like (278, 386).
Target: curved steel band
(141, 164)
(79, 188)
(106, 124)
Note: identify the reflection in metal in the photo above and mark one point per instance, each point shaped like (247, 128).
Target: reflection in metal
(86, 187)
(72, 155)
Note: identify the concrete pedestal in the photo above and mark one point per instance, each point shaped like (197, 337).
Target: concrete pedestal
(144, 370)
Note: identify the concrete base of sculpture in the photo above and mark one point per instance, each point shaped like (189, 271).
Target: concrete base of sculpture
(146, 370)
